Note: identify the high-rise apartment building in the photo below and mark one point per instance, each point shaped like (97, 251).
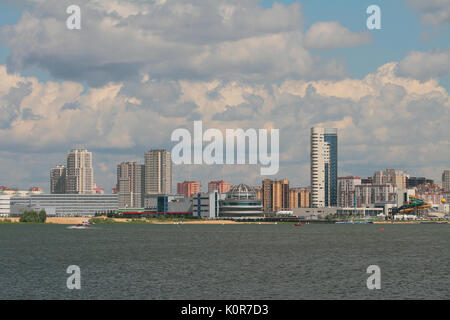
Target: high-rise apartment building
(346, 191)
(324, 167)
(220, 186)
(397, 178)
(367, 195)
(275, 195)
(58, 180)
(299, 198)
(130, 185)
(158, 172)
(446, 179)
(79, 172)
(188, 188)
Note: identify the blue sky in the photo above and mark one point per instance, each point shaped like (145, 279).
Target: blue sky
(401, 31)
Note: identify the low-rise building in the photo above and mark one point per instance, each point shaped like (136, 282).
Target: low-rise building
(66, 205)
(206, 205)
(241, 201)
(5, 205)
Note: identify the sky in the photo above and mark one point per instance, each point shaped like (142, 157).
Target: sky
(138, 70)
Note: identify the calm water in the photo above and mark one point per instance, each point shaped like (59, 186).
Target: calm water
(225, 261)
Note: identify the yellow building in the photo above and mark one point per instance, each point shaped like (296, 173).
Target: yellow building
(275, 195)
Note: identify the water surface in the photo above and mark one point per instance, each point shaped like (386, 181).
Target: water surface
(126, 261)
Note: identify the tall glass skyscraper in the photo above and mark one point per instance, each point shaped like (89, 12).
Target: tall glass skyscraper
(324, 167)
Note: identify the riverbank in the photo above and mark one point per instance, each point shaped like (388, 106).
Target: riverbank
(79, 220)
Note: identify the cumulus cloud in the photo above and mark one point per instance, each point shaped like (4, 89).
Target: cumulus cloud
(202, 40)
(138, 70)
(425, 65)
(432, 12)
(383, 120)
(325, 35)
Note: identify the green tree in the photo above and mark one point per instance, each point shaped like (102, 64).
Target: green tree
(42, 216)
(33, 217)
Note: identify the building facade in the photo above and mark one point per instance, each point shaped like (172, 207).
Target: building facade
(158, 172)
(220, 186)
(130, 185)
(79, 172)
(299, 198)
(446, 180)
(324, 167)
(367, 195)
(412, 182)
(66, 205)
(58, 180)
(240, 201)
(346, 191)
(206, 205)
(396, 178)
(5, 205)
(275, 195)
(188, 188)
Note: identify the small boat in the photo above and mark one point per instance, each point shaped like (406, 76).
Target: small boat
(298, 224)
(85, 223)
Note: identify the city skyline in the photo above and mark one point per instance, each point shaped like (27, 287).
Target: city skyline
(317, 66)
(203, 184)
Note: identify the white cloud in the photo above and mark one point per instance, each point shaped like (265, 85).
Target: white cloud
(384, 120)
(326, 35)
(432, 12)
(202, 40)
(425, 65)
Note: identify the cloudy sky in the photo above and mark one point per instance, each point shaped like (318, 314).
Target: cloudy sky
(137, 70)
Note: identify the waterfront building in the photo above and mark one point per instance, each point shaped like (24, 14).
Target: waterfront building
(402, 196)
(299, 197)
(130, 185)
(65, 205)
(346, 190)
(446, 180)
(220, 186)
(367, 195)
(240, 201)
(324, 167)
(158, 172)
(79, 172)
(360, 212)
(275, 195)
(188, 188)
(58, 180)
(5, 205)
(206, 205)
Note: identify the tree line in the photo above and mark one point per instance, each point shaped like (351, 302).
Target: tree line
(33, 216)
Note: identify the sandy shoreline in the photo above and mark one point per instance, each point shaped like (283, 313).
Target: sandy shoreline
(78, 220)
